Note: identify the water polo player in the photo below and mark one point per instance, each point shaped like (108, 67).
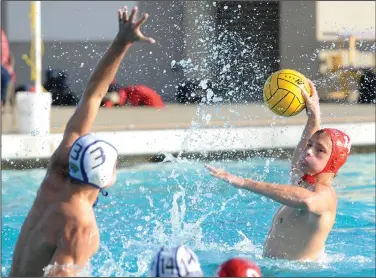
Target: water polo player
(301, 225)
(60, 230)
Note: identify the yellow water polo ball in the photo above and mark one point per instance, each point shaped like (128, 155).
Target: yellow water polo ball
(283, 94)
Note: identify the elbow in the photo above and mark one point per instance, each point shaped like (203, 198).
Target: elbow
(307, 204)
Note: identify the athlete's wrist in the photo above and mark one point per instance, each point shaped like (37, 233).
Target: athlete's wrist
(314, 119)
(121, 42)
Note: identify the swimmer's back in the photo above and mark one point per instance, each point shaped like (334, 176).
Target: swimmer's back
(35, 246)
(46, 221)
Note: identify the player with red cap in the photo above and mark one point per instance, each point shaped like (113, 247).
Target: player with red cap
(140, 95)
(238, 267)
(307, 214)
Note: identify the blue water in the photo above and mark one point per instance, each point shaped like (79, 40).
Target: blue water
(179, 202)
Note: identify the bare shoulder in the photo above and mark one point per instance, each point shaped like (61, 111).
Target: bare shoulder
(77, 213)
(328, 193)
(73, 213)
(325, 190)
(80, 228)
(59, 159)
(85, 235)
(77, 241)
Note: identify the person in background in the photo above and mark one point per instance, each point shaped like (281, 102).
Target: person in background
(7, 72)
(140, 95)
(135, 95)
(57, 83)
(112, 99)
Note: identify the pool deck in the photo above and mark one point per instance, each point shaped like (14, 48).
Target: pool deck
(142, 133)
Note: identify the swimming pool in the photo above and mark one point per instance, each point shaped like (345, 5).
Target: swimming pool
(179, 202)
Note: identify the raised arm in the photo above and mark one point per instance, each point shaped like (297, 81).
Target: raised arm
(82, 120)
(313, 124)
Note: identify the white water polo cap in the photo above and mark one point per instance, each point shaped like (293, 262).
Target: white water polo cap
(179, 261)
(92, 161)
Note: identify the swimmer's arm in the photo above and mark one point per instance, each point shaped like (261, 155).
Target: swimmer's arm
(82, 120)
(104, 73)
(313, 124)
(74, 251)
(317, 201)
(87, 109)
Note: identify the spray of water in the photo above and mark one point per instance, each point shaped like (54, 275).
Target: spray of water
(224, 52)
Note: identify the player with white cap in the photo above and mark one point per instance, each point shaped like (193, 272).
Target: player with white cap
(60, 230)
(178, 261)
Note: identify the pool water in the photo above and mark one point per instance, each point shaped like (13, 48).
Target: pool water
(179, 202)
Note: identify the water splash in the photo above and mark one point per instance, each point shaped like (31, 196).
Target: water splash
(68, 268)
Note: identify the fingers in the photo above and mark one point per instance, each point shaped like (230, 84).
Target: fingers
(304, 93)
(120, 15)
(139, 23)
(212, 168)
(146, 39)
(313, 88)
(123, 14)
(142, 20)
(216, 172)
(221, 176)
(133, 14)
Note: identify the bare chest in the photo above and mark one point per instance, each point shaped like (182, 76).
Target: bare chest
(290, 218)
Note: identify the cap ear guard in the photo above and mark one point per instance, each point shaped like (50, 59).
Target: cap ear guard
(341, 147)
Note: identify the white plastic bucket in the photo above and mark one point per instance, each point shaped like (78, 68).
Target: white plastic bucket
(34, 112)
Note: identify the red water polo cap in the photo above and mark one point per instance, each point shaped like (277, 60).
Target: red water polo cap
(341, 145)
(238, 267)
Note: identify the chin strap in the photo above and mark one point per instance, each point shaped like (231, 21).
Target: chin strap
(311, 179)
(104, 193)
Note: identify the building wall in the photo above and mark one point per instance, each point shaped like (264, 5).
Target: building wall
(65, 21)
(298, 37)
(302, 28)
(76, 34)
(65, 49)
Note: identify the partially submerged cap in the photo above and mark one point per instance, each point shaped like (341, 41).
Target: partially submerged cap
(341, 146)
(239, 267)
(179, 261)
(92, 161)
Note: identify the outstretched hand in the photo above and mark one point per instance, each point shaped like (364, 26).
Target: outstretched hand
(312, 102)
(129, 30)
(236, 181)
